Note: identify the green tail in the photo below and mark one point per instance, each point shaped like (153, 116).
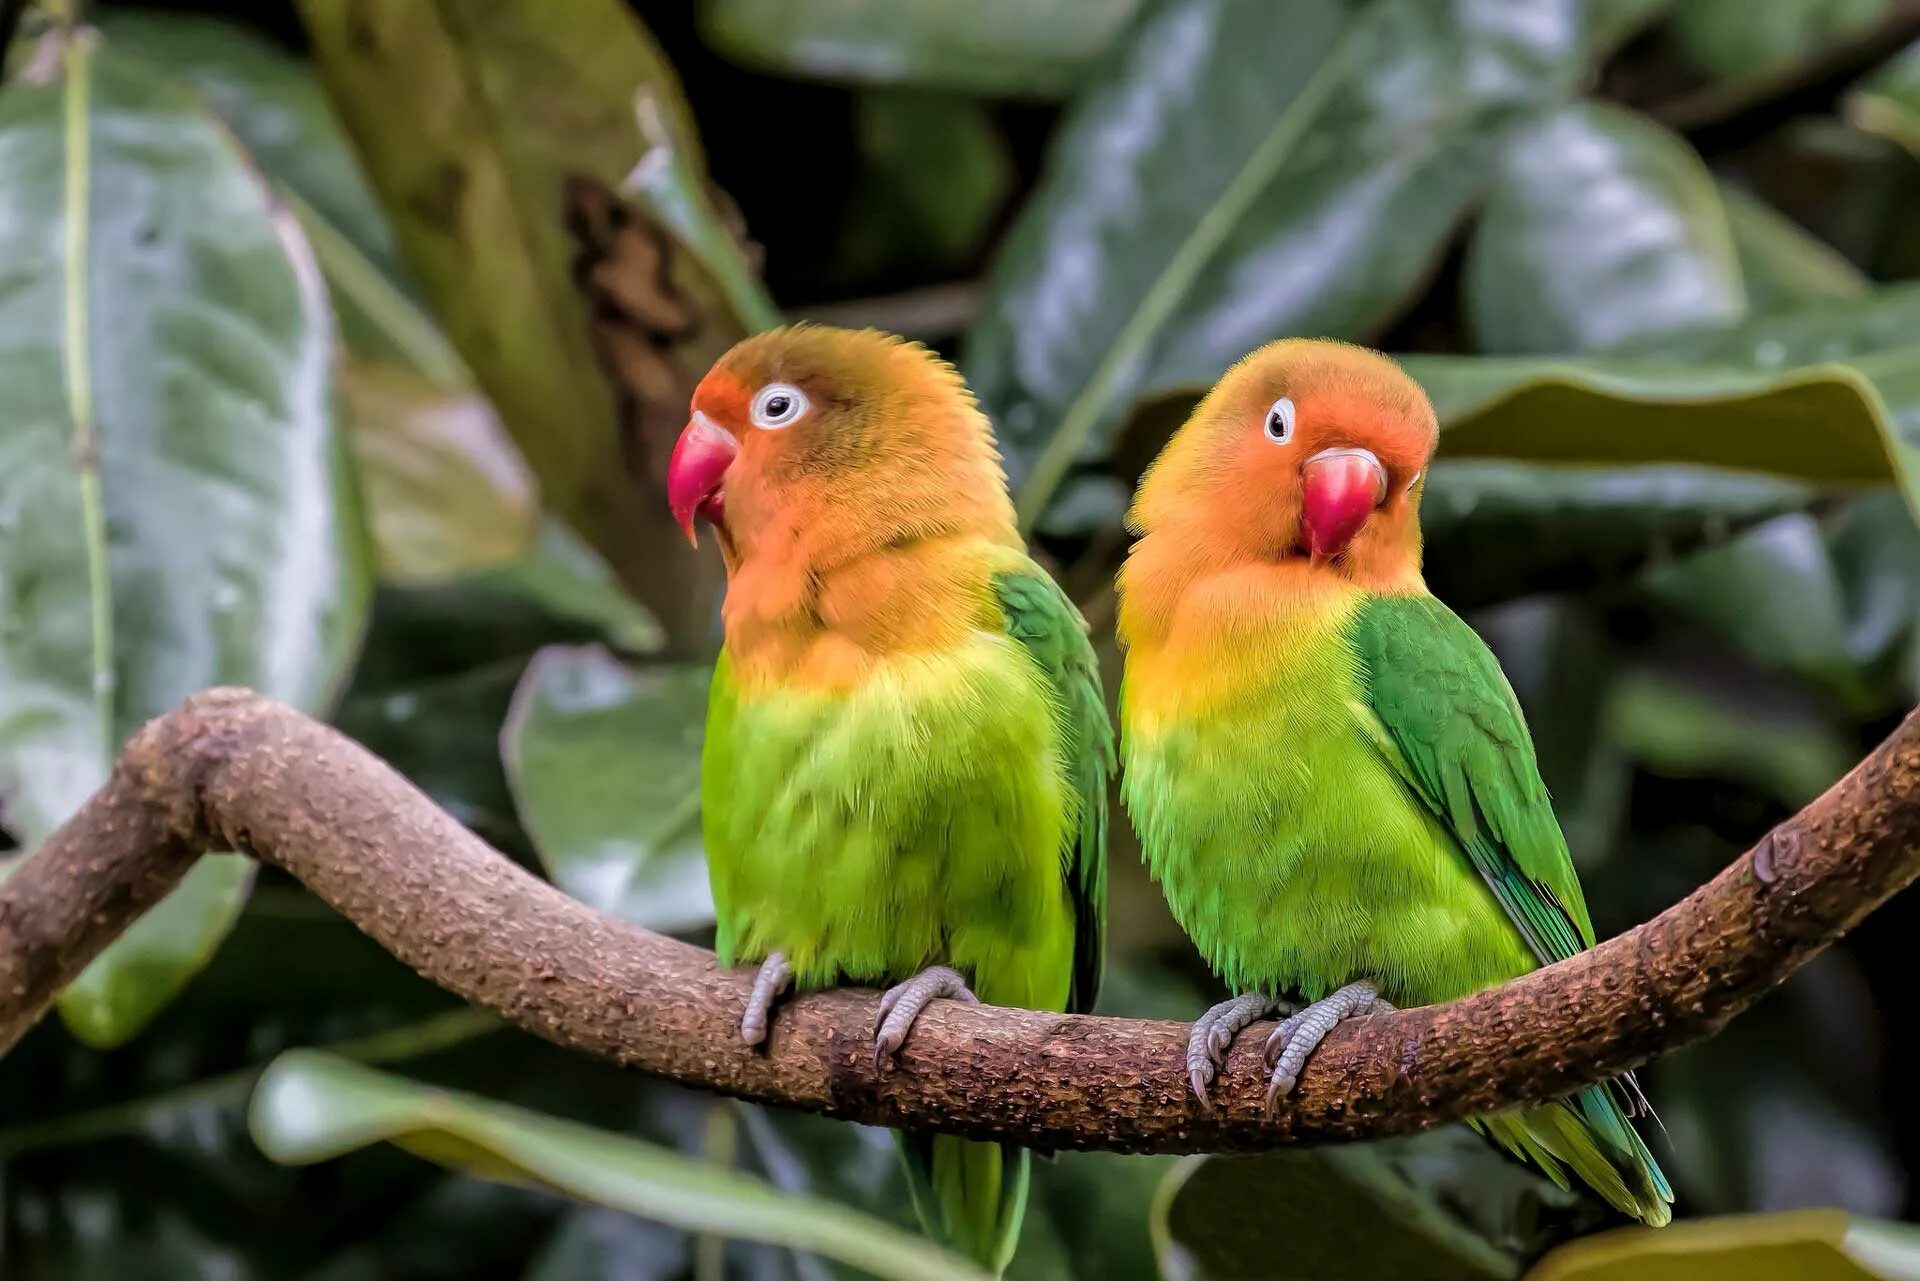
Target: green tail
(970, 1196)
(1588, 1132)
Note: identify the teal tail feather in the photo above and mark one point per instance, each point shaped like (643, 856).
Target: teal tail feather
(969, 1196)
(1590, 1134)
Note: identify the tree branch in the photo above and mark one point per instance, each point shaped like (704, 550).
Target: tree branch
(231, 770)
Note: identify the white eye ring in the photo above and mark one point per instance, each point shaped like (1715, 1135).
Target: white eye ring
(777, 405)
(1280, 421)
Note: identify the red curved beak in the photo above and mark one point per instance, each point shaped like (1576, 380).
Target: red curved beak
(694, 475)
(1343, 486)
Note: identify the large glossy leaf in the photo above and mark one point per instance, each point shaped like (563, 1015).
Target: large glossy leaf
(499, 135)
(175, 508)
(1784, 265)
(1228, 178)
(275, 106)
(1441, 1206)
(1019, 48)
(604, 760)
(1604, 227)
(312, 1107)
(1800, 1245)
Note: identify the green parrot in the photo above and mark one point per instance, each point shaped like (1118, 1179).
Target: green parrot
(1329, 773)
(907, 755)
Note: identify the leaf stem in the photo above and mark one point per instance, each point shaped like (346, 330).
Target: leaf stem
(75, 53)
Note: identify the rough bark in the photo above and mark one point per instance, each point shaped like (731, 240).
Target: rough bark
(233, 770)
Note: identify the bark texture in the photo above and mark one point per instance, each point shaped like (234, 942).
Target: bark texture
(232, 770)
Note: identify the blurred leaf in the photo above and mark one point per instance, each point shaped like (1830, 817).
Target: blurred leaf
(934, 174)
(311, 1107)
(1020, 48)
(1684, 728)
(1738, 40)
(1785, 266)
(1229, 178)
(520, 126)
(604, 761)
(1823, 424)
(1438, 1206)
(1774, 593)
(1802, 1245)
(669, 184)
(1604, 227)
(276, 108)
(1100, 1207)
(1876, 551)
(1888, 101)
(447, 492)
(1496, 529)
(176, 343)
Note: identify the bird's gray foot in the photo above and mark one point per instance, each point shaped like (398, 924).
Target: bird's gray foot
(1213, 1034)
(775, 977)
(1300, 1034)
(904, 1001)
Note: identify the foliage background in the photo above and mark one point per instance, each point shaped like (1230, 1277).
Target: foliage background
(386, 338)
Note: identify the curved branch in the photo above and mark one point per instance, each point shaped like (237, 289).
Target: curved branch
(232, 770)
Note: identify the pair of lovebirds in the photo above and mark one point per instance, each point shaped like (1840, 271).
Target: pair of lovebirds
(908, 750)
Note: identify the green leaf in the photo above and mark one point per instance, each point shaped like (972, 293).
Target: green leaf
(1740, 40)
(447, 492)
(1796, 1245)
(1888, 101)
(499, 137)
(1604, 227)
(1785, 266)
(174, 508)
(604, 761)
(312, 1107)
(1229, 178)
(1774, 592)
(1017, 48)
(1442, 1206)
(1496, 529)
(1822, 424)
(276, 107)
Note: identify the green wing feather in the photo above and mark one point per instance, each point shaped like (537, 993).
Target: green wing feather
(1039, 616)
(1452, 727)
(1457, 735)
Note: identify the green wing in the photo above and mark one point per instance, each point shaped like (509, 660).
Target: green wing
(1040, 617)
(1455, 732)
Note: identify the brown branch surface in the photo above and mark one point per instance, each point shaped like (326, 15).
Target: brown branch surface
(232, 770)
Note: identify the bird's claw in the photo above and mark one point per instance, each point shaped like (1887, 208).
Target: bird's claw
(1212, 1037)
(1300, 1034)
(903, 1003)
(775, 977)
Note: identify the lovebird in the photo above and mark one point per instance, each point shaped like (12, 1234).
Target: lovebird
(1330, 775)
(907, 753)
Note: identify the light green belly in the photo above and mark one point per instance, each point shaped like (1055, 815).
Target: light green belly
(917, 820)
(1296, 859)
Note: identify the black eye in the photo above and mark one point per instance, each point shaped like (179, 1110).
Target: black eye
(776, 405)
(1280, 421)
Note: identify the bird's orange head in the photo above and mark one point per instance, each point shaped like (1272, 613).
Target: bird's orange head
(836, 441)
(1308, 451)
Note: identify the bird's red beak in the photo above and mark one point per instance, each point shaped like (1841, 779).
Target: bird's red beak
(694, 475)
(1343, 486)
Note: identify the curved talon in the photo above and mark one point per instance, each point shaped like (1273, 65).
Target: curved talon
(903, 1002)
(1212, 1037)
(1300, 1034)
(775, 977)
